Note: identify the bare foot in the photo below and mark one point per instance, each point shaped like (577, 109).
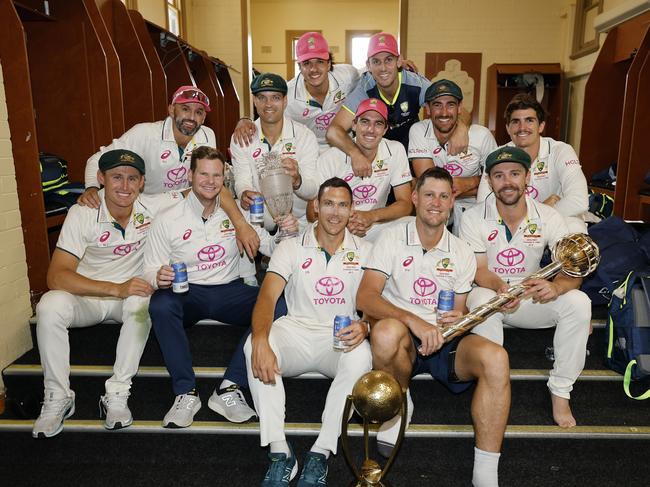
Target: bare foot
(562, 412)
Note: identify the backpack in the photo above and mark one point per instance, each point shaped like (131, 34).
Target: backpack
(628, 330)
(621, 250)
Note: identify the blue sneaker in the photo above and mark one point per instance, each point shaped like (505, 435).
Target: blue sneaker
(281, 471)
(314, 472)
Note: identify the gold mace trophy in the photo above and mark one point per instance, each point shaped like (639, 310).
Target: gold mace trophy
(377, 397)
(576, 255)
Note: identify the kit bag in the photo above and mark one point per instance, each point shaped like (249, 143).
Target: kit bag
(628, 330)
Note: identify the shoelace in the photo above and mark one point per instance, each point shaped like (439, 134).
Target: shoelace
(235, 393)
(277, 469)
(185, 401)
(54, 407)
(313, 469)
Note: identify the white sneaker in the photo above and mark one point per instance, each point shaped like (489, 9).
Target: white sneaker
(231, 404)
(115, 406)
(388, 431)
(54, 410)
(181, 414)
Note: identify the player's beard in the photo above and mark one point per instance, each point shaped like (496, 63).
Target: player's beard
(511, 199)
(184, 130)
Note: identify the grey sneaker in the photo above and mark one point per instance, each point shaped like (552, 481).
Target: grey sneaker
(181, 414)
(115, 406)
(231, 404)
(54, 410)
(388, 431)
(281, 471)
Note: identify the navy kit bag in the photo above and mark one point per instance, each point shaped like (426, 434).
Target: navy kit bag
(621, 251)
(628, 330)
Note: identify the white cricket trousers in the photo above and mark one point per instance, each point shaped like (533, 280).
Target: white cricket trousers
(59, 310)
(299, 350)
(570, 313)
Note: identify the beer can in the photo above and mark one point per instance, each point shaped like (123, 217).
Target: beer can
(445, 302)
(180, 284)
(257, 211)
(340, 322)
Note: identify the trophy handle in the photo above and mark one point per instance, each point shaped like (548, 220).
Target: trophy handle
(344, 437)
(400, 437)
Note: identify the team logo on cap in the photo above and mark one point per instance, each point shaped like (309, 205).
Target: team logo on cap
(442, 88)
(382, 40)
(373, 103)
(310, 42)
(266, 82)
(504, 155)
(127, 158)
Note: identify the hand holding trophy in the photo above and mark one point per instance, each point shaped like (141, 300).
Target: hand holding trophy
(277, 190)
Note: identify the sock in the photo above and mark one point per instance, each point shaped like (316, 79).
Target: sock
(226, 383)
(486, 469)
(322, 451)
(280, 447)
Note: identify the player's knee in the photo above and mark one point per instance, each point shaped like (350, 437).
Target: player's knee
(579, 305)
(387, 337)
(54, 308)
(494, 363)
(161, 305)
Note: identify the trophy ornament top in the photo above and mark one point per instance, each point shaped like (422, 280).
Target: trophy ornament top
(578, 254)
(377, 396)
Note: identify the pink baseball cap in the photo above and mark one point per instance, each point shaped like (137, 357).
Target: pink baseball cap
(382, 42)
(372, 104)
(312, 45)
(191, 94)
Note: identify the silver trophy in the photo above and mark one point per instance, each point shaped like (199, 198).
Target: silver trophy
(277, 189)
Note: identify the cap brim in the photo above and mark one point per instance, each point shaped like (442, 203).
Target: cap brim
(325, 56)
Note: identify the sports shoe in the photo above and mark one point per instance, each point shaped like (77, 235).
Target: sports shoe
(115, 406)
(181, 414)
(54, 410)
(388, 431)
(314, 471)
(231, 404)
(281, 471)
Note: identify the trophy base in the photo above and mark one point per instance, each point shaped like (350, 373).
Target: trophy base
(365, 483)
(280, 236)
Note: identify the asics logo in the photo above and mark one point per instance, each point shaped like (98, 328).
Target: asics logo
(407, 261)
(510, 257)
(165, 154)
(329, 286)
(104, 236)
(306, 263)
(210, 253)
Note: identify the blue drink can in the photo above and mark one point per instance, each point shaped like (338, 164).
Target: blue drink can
(340, 322)
(180, 284)
(445, 302)
(257, 211)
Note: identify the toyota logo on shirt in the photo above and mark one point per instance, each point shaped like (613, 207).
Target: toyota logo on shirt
(454, 169)
(126, 249)
(532, 192)
(424, 287)
(323, 121)
(329, 286)
(177, 175)
(210, 253)
(364, 191)
(510, 257)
